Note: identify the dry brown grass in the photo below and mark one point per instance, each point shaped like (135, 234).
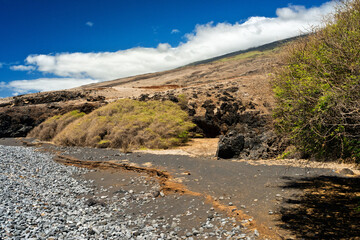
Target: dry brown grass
(54, 125)
(129, 124)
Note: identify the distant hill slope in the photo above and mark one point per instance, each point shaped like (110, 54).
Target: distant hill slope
(250, 62)
(262, 48)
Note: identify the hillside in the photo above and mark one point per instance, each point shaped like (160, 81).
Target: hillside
(220, 94)
(246, 69)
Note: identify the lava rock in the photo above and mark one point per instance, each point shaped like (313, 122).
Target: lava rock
(208, 127)
(230, 145)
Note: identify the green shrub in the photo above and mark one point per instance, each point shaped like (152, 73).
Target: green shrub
(318, 88)
(47, 130)
(129, 124)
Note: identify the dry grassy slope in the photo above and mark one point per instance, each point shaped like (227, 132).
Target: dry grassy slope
(248, 71)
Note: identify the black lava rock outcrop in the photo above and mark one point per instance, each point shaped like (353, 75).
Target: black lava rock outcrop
(20, 114)
(47, 97)
(245, 132)
(258, 140)
(230, 145)
(18, 121)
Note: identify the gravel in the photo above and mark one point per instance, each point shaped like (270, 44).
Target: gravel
(41, 199)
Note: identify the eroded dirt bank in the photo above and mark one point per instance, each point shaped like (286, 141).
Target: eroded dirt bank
(276, 200)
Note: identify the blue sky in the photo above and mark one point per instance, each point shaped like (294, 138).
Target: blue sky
(55, 44)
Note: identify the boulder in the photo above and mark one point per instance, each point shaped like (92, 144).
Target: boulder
(230, 145)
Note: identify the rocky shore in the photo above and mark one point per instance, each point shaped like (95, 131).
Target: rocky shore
(42, 199)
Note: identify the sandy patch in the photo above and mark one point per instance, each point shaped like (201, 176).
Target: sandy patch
(197, 147)
(303, 163)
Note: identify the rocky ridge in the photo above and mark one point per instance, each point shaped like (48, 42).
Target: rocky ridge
(20, 114)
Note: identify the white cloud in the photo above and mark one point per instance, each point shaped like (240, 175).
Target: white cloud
(204, 42)
(90, 24)
(163, 47)
(175, 31)
(22, 68)
(1, 64)
(45, 84)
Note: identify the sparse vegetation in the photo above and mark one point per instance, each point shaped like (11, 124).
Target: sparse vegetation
(183, 101)
(318, 88)
(54, 125)
(129, 124)
(251, 54)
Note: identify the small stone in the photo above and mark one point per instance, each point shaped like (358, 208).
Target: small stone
(242, 236)
(97, 231)
(155, 194)
(347, 171)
